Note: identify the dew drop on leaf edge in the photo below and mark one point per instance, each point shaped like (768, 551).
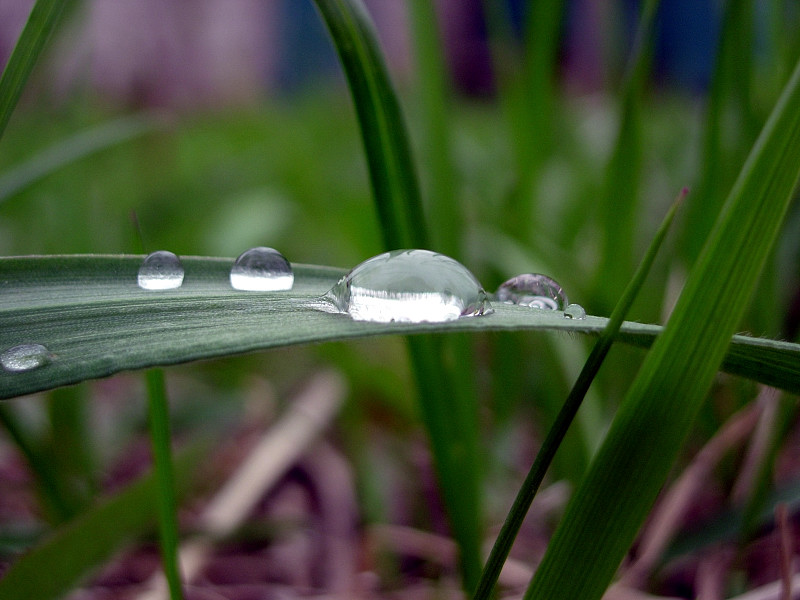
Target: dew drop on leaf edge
(261, 269)
(534, 290)
(575, 311)
(160, 270)
(25, 357)
(409, 286)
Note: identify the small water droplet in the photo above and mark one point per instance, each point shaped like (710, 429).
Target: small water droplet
(262, 269)
(160, 270)
(409, 286)
(534, 290)
(25, 357)
(575, 311)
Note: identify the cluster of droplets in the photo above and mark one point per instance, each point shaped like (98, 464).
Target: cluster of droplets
(538, 291)
(259, 269)
(415, 286)
(405, 286)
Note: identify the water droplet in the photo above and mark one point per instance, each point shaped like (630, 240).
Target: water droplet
(160, 270)
(25, 357)
(534, 290)
(575, 311)
(409, 286)
(262, 270)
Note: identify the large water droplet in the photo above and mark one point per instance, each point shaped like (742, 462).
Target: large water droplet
(160, 270)
(409, 286)
(534, 290)
(575, 311)
(262, 270)
(25, 357)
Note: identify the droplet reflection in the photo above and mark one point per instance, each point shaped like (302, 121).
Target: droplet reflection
(409, 286)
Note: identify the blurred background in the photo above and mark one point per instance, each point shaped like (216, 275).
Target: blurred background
(227, 124)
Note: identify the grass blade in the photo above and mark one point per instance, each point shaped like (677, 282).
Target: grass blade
(444, 396)
(391, 169)
(434, 91)
(622, 483)
(82, 144)
(42, 21)
(95, 320)
(162, 461)
(618, 203)
(558, 430)
(728, 100)
(52, 568)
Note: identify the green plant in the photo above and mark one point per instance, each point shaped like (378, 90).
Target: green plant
(94, 322)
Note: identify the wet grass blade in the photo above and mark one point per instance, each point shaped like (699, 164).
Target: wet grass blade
(95, 321)
(55, 566)
(43, 18)
(558, 430)
(158, 409)
(633, 463)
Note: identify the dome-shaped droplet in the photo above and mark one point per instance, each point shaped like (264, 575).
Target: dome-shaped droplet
(160, 270)
(409, 286)
(25, 357)
(534, 290)
(575, 311)
(262, 270)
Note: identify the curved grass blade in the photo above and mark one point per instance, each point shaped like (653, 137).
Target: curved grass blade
(89, 312)
(558, 430)
(42, 20)
(448, 404)
(623, 481)
(434, 91)
(64, 152)
(391, 169)
(52, 568)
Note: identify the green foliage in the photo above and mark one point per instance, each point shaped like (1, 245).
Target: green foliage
(508, 186)
(653, 421)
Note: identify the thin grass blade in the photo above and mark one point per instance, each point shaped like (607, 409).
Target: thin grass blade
(391, 168)
(445, 398)
(65, 152)
(623, 481)
(434, 91)
(43, 18)
(158, 408)
(620, 195)
(558, 430)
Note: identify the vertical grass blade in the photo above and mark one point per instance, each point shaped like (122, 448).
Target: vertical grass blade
(618, 203)
(42, 21)
(434, 91)
(623, 480)
(447, 400)
(165, 479)
(555, 435)
(391, 169)
(728, 103)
